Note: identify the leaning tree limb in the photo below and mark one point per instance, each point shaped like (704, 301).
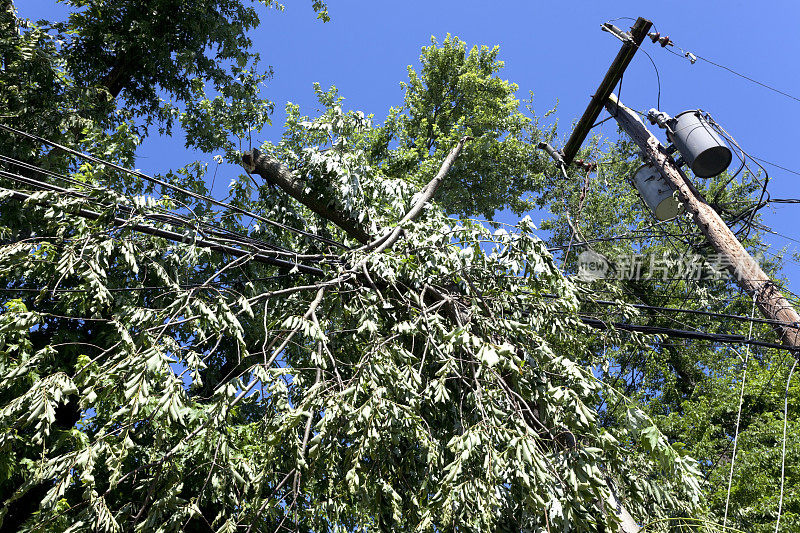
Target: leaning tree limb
(269, 168)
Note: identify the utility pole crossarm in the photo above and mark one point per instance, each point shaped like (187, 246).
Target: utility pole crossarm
(745, 270)
(612, 77)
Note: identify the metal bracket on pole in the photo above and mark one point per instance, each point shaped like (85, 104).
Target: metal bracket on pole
(623, 36)
(557, 156)
(659, 117)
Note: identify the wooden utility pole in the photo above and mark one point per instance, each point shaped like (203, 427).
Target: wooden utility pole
(745, 270)
(631, 42)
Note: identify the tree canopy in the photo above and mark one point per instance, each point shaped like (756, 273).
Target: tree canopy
(338, 345)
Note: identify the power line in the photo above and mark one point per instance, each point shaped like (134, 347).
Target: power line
(658, 77)
(784, 201)
(165, 217)
(210, 284)
(168, 185)
(258, 256)
(690, 55)
(688, 311)
(682, 334)
(789, 170)
(624, 237)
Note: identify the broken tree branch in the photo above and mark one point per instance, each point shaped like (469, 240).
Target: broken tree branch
(269, 168)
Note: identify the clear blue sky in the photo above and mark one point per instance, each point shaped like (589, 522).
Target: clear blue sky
(556, 50)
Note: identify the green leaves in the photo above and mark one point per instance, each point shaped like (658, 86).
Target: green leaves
(157, 386)
(458, 93)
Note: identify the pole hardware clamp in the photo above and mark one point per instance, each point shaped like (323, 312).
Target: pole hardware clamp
(557, 156)
(659, 117)
(623, 36)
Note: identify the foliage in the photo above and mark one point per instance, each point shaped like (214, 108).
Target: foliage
(459, 93)
(690, 388)
(409, 405)
(445, 382)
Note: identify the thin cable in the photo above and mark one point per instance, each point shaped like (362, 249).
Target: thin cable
(601, 121)
(764, 192)
(210, 284)
(258, 256)
(658, 77)
(168, 185)
(739, 416)
(162, 215)
(686, 54)
(677, 310)
(784, 201)
(193, 224)
(749, 78)
(723, 338)
(789, 170)
(761, 393)
(783, 450)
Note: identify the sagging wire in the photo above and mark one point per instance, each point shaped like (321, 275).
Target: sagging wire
(658, 76)
(739, 413)
(764, 192)
(168, 185)
(161, 215)
(133, 225)
(667, 42)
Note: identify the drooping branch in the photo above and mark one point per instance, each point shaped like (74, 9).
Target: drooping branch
(275, 173)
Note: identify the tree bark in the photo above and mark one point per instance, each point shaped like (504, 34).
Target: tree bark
(275, 173)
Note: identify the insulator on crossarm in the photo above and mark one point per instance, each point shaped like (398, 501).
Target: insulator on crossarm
(663, 41)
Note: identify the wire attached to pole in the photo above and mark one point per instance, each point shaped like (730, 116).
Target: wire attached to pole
(739, 413)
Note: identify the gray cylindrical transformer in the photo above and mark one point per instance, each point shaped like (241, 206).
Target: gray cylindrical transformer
(699, 144)
(656, 192)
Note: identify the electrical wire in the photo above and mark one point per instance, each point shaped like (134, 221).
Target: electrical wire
(166, 217)
(723, 338)
(783, 448)
(795, 172)
(726, 316)
(738, 419)
(658, 76)
(784, 201)
(614, 239)
(210, 284)
(258, 256)
(685, 54)
(171, 186)
(163, 214)
(763, 390)
(761, 202)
